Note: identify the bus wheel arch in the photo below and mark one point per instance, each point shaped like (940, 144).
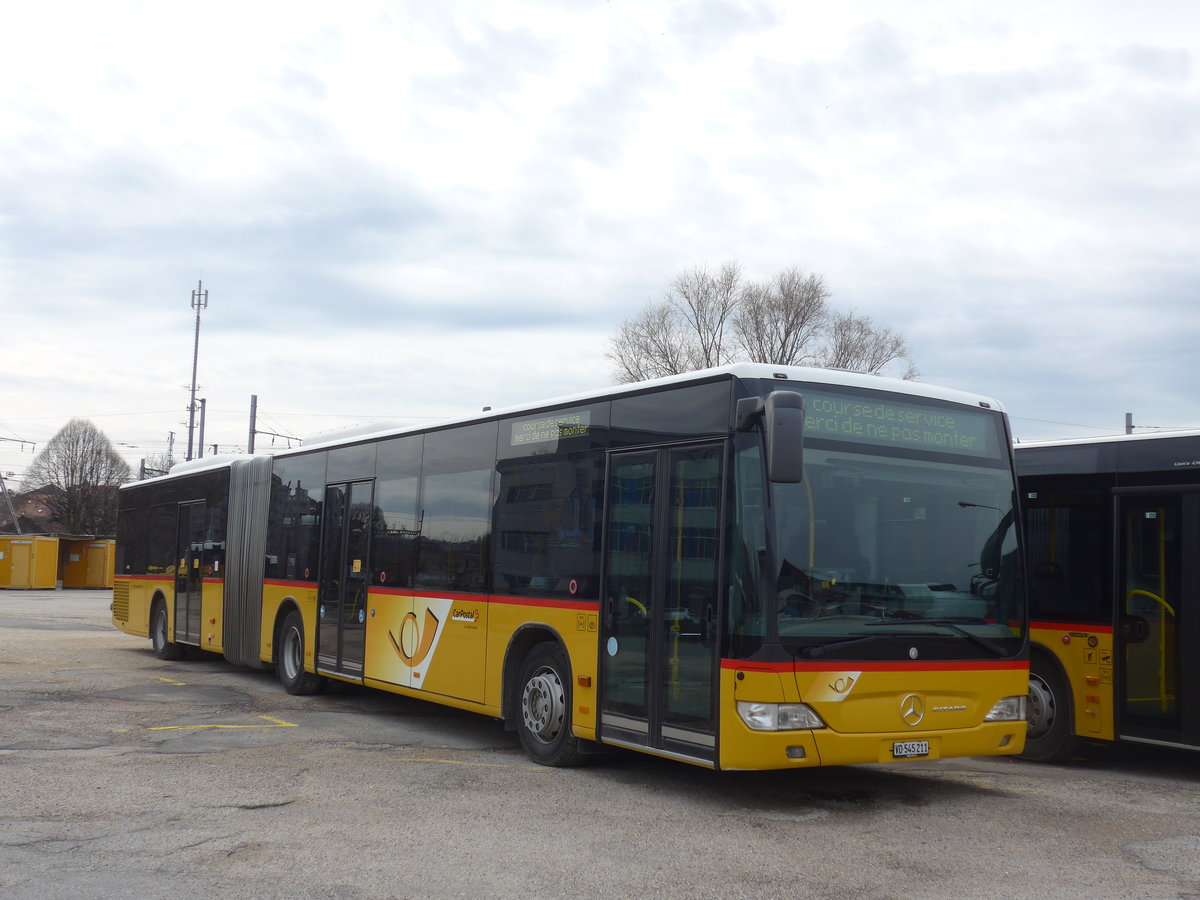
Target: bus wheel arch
(1051, 714)
(289, 653)
(160, 638)
(538, 697)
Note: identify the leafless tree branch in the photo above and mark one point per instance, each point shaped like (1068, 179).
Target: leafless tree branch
(79, 470)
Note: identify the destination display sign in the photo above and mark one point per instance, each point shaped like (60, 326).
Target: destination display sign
(545, 429)
(898, 424)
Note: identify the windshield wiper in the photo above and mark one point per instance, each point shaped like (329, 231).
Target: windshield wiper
(822, 649)
(945, 623)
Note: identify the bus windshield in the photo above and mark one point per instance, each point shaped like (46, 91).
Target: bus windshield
(878, 556)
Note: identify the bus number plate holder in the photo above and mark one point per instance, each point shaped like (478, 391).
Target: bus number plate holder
(909, 749)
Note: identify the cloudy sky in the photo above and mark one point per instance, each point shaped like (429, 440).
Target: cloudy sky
(412, 210)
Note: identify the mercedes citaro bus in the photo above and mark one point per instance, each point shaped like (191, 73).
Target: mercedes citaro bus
(753, 567)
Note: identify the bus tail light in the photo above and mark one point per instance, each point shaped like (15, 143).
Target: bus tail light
(1009, 709)
(778, 716)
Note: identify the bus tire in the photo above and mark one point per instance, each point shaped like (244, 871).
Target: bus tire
(164, 647)
(1051, 735)
(290, 666)
(544, 707)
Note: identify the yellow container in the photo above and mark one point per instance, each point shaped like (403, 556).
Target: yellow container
(86, 563)
(28, 561)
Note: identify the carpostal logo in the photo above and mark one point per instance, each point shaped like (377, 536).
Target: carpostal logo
(459, 614)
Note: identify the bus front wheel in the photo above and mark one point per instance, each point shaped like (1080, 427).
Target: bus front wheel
(544, 706)
(292, 676)
(160, 640)
(1051, 733)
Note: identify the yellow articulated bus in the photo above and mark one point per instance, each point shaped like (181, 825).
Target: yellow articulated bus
(1112, 526)
(753, 567)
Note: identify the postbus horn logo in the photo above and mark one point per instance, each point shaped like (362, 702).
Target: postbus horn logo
(421, 638)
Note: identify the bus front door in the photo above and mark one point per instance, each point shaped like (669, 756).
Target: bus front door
(1157, 613)
(345, 577)
(189, 573)
(661, 579)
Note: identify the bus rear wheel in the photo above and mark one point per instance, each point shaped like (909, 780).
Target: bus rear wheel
(290, 666)
(544, 706)
(160, 640)
(1050, 736)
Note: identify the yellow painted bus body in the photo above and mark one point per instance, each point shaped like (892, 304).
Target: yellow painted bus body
(1085, 653)
(451, 649)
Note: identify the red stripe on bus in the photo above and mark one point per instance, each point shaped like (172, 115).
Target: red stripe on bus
(460, 597)
(546, 603)
(834, 665)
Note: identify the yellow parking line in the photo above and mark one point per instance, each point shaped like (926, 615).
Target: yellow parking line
(275, 723)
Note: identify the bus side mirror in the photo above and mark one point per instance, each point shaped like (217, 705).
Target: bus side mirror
(782, 414)
(783, 418)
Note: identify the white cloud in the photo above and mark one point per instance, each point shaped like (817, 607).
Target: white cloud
(417, 210)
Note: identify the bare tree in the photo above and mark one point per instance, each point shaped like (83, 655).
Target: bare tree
(706, 302)
(856, 343)
(652, 344)
(683, 332)
(712, 318)
(779, 321)
(79, 472)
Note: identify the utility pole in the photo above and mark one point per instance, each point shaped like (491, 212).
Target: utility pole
(200, 443)
(1129, 423)
(12, 512)
(199, 302)
(253, 420)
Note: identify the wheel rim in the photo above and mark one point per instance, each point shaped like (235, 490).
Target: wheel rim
(291, 653)
(1040, 714)
(543, 705)
(160, 628)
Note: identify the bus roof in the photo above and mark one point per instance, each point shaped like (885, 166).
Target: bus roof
(836, 377)
(1160, 451)
(763, 371)
(1110, 439)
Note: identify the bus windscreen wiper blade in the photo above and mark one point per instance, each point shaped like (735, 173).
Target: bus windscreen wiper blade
(946, 623)
(822, 649)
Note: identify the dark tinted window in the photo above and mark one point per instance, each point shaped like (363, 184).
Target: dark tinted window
(1068, 548)
(132, 531)
(673, 412)
(397, 522)
(294, 532)
(355, 463)
(568, 430)
(548, 526)
(456, 501)
(160, 539)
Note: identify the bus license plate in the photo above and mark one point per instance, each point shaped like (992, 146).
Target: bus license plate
(908, 749)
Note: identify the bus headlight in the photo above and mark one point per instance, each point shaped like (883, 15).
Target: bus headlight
(1010, 709)
(778, 716)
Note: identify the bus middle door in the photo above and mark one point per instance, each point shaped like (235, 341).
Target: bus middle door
(189, 573)
(345, 577)
(661, 581)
